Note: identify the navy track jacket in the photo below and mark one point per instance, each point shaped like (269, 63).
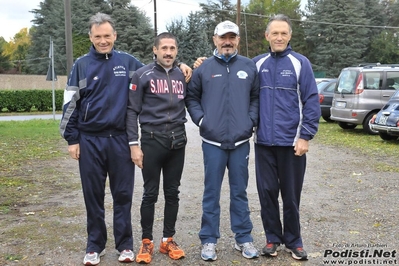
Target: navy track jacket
(289, 105)
(95, 99)
(224, 96)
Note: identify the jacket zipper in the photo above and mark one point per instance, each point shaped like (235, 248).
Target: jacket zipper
(87, 111)
(273, 99)
(228, 98)
(170, 94)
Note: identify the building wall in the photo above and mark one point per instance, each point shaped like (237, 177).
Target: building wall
(30, 82)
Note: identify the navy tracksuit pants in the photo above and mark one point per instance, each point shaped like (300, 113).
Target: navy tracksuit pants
(278, 169)
(99, 157)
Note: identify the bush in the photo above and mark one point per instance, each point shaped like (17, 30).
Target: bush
(25, 100)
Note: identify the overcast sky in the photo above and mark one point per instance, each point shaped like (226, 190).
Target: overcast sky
(15, 15)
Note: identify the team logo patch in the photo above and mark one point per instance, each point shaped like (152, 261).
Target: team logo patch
(242, 74)
(133, 87)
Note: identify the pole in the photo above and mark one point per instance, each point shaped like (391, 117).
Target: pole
(52, 75)
(68, 35)
(155, 18)
(238, 18)
(246, 32)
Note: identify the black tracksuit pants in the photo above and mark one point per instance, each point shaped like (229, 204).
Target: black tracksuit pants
(157, 159)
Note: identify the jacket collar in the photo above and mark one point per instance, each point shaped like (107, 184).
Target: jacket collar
(222, 57)
(100, 55)
(281, 54)
(158, 66)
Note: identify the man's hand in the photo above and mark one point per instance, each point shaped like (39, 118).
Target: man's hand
(301, 147)
(187, 71)
(137, 155)
(199, 61)
(74, 151)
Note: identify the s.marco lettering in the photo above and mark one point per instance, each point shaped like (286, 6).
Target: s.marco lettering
(162, 86)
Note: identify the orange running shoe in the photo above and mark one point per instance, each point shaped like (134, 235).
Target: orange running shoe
(146, 250)
(172, 248)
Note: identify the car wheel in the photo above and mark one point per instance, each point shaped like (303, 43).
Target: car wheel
(366, 126)
(345, 125)
(327, 119)
(386, 136)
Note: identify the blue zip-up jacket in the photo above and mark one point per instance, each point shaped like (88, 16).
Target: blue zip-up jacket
(95, 99)
(223, 95)
(289, 105)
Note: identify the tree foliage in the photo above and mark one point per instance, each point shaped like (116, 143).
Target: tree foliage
(253, 18)
(4, 59)
(195, 35)
(192, 38)
(335, 40)
(134, 32)
(385, 48)
(256, 25)
(333, 34)
(16, 50)
(215, 12)
(384, 41)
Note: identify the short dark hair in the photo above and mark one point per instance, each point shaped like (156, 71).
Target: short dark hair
(164, 35)
(279, 17)
(101, 18)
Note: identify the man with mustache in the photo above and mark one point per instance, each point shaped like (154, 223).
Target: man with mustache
(156, 101)
(222, 99)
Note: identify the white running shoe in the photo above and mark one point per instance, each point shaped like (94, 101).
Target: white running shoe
(92, 258)
(208, 252)
(126, 256)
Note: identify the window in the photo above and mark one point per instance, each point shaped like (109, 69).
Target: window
(392, 80)
(347, 81)
(372, 80)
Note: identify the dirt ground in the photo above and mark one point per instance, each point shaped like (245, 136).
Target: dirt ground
(349, 212)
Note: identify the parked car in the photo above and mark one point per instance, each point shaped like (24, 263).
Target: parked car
(326, 87)
(386, 121)
(361, 92)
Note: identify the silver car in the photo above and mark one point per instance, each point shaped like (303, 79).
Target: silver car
(361, 92)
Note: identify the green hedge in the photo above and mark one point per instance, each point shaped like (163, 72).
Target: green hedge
(26, 100)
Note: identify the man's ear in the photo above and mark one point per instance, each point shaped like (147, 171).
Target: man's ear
(214, 40)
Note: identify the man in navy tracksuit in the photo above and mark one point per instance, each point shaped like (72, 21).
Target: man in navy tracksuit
(156, 101)
(222, 99)
(289, 114)
(93, 124)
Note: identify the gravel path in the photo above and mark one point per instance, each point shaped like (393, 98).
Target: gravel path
(348, 213)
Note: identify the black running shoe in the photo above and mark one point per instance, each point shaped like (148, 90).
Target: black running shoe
(270, 250)
(299, 253)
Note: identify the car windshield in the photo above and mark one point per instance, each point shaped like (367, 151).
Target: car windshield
(346, 81)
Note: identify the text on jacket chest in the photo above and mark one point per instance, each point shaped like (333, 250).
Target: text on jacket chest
(162, 86)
